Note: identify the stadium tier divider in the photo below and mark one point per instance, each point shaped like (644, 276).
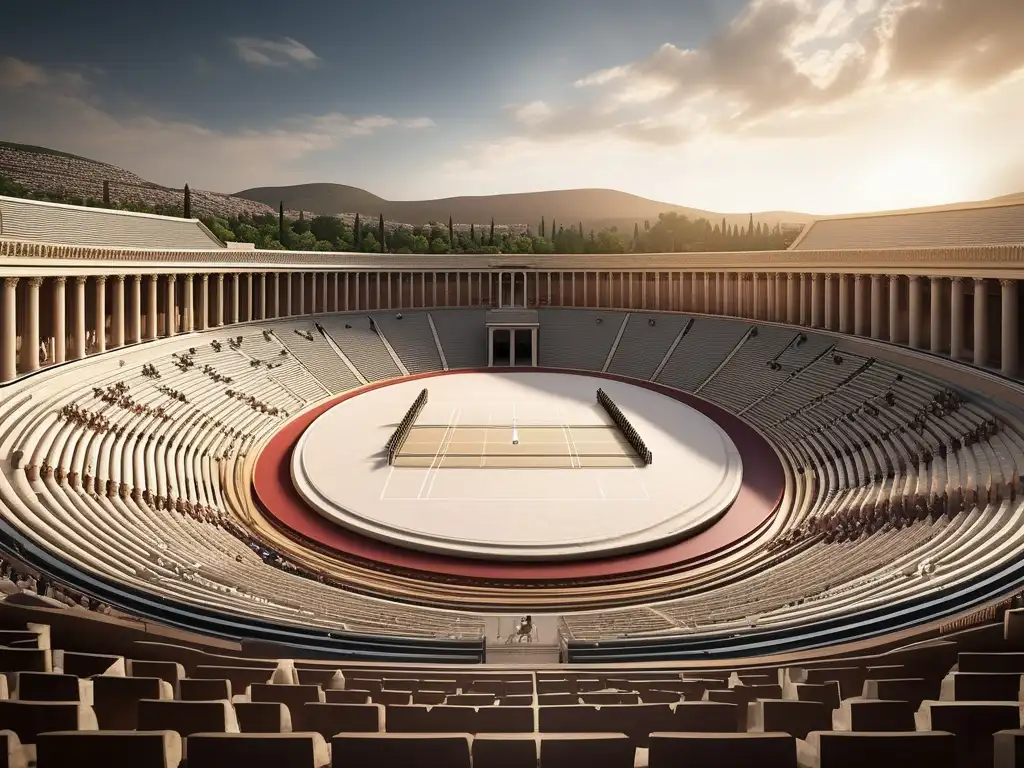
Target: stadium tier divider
(623, 424)
(398, 438)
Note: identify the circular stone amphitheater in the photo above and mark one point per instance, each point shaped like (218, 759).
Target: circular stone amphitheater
(776, 493)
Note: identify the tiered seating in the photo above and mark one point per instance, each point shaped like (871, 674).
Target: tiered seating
(463, 336)
(578, 339)
(643, 346)
(308, 345)
(292, 712)
(748, 375)
(704, 348)
(411, 338)
(361, 345)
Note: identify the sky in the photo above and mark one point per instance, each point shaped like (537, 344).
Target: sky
(818, 106)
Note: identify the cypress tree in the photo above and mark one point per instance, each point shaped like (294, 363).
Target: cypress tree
(725, 228)
(541, 231)
(357, 232)
(451, 232)
(187, 203)
(554, 231)
(636, 234)
(581, 229)
(106, 192)
(647, 226)
(490, 240)
(380, 226)
(472, 233)
(750, 227)
(280, 223)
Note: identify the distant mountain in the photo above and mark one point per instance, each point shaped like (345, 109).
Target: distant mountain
(595, 208)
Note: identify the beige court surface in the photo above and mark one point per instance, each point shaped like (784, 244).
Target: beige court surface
(538, 447)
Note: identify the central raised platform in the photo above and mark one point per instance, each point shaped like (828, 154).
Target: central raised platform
(550, 513)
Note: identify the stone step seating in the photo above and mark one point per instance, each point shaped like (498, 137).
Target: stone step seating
(463, 336)
(411, 338)
(579, 339)
(287, 371)
(704, 348)
(317, 355)
(747, 376)
(361, 345)
(69, 709)
(643, 346)
(192, 541)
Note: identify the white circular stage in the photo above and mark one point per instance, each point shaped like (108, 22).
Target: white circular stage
(566, 490)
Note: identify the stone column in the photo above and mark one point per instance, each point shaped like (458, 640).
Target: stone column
(248, 297)
(171, 324)
(756, 287)
(914, 302)
(830, 300)
(261, 287)
(956, 318)
(1009, 334)
(791, 298)
(30, 331)
(937, 318)
(275, 294)
(204, 302)
(860, 305)
(135, 310)
(218, 301)
(817, 303)
(325, 292)
(117, 313)
(100, 319)
(236, 291)
(79, 350)
(189, 310)
(980, 322)
(876, 306)
(844, 304)
(9, 331)
(533, 345)
(302, 292)
(59, 319)
(152, 287)
(895, 337)
(805, 309)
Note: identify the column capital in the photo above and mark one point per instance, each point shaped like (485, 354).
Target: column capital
(220, 277)
(790, 275)
(877, 278)
(979, 280)
(858, 278)
(101, 279)
(894, 277)
(10, 282)
(117, 278)
(189, 275)
(59, 279)
(137, 277)
(205, 277)
(35, 282)
(913, 278)
(828, 277)
(80, 279)
(1006, 282)
(957, 279)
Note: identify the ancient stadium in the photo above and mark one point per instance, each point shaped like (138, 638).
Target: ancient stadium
(724, 509)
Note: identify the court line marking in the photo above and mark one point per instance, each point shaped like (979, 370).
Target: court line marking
(444, 455)
(440, 446)
(483, 452)
(568, 442)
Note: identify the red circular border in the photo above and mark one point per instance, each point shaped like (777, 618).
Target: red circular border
(758, 498)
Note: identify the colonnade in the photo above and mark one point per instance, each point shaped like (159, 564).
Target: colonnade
(51, 319)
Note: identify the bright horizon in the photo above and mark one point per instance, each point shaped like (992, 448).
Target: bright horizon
(814, 106)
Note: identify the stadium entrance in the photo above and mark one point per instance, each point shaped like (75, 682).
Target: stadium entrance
(512, 338)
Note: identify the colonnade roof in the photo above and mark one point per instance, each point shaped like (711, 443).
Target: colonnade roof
(77, 225)
(941, 227)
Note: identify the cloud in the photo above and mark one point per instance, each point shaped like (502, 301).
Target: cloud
(972, 43)
(286, 52)
(780, 58)
(55, 109)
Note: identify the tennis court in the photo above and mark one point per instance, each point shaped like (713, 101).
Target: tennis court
(516, 445)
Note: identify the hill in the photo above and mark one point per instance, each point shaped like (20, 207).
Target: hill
(595, 208)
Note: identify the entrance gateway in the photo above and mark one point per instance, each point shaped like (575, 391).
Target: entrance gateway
(512, 338)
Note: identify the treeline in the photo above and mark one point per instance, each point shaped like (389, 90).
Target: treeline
(671, 233)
